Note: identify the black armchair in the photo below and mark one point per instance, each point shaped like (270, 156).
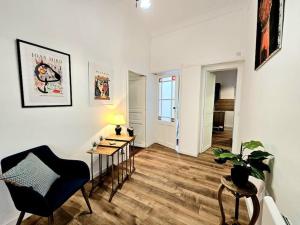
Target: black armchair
(73, 176)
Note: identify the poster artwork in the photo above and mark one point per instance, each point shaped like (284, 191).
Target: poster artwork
(270, 16)
(102, 86)
(47, 75)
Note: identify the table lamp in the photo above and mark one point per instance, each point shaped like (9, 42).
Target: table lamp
(118, 120)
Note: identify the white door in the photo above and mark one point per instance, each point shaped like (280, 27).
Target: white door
(137, 107)
(209, 101)
(167, 122)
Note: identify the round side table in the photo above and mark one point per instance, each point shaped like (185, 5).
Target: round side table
(248, 191)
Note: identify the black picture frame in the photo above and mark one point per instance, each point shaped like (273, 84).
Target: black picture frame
(26, 104)
(269, 30)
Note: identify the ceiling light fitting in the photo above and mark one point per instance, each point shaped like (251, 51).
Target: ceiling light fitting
(144, 4)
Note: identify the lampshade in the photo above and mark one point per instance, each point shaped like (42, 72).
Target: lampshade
(118, 120)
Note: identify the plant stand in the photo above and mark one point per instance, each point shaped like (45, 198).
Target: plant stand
(249, 191)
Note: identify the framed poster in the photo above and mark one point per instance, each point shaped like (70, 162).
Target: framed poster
(100, 84)
(270, 16)
(45, 76)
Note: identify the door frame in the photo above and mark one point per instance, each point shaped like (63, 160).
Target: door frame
(127, 102)
(239, 66)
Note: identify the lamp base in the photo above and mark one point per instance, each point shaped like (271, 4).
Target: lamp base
(118, 130)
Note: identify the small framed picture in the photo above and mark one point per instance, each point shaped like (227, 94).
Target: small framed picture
(45, 76)
(100, 85)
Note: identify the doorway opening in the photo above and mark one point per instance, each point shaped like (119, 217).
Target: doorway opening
(221, 91)
(223, 117)
(137, 107)
(167, 123)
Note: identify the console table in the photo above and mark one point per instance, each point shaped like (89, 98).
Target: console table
(114, 144)
(130, 147)
(248, 191)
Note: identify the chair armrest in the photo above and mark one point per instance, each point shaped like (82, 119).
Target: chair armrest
(73, 168)
(28, 200)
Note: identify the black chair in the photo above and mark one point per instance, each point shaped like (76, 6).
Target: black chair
(73, 176)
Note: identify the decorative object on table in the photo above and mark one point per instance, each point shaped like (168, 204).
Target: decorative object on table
(246, 164)
(94, 145)
(101, 138)
(45, 76)
(112, 143)
(248, 191)
(73, 174)
(118, 120)
(270, 16)
(130, 131)
(100, 84)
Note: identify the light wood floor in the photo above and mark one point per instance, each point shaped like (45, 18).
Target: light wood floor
(167, 188)
(222, 138)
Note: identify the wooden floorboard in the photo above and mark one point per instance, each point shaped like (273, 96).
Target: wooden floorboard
(167, 188)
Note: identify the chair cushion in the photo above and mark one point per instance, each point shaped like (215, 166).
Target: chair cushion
(32, 172)
(62, 189)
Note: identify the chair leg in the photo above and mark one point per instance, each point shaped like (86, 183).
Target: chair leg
(86, 199)
(22, 214)
(51, 220)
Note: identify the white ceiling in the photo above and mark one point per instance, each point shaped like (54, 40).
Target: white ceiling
(171, 14)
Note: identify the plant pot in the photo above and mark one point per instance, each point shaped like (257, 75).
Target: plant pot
(240, 175)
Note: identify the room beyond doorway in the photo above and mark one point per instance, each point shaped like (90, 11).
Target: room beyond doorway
(224, 100)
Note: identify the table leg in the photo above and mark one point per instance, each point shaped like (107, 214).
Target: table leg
(100, 169)
(118, 153)
(112, 178)
(256, 209)
(122, 153)
(92, 174)
(237, 206)
(221, 188)
(107, 162)
(133, 156)
(126, 157)
(130, 155)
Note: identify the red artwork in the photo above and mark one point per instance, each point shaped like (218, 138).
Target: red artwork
(269, 29)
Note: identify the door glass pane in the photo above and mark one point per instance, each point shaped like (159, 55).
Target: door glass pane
(166, 90)
(166, 108)
(164, 79)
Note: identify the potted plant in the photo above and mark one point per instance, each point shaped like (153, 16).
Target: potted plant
(245, 164)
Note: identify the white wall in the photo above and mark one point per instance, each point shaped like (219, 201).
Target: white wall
(227, 79)
(212, 41)
(103, 31)
(270, 107)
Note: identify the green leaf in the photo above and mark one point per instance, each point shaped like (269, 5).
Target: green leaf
(252, 145)
(260, 166)
(227, 155)
(238, 163)
(217, 151)
(257, 173)
(259, 155)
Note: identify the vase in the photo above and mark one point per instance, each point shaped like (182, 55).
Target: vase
(240, 175)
